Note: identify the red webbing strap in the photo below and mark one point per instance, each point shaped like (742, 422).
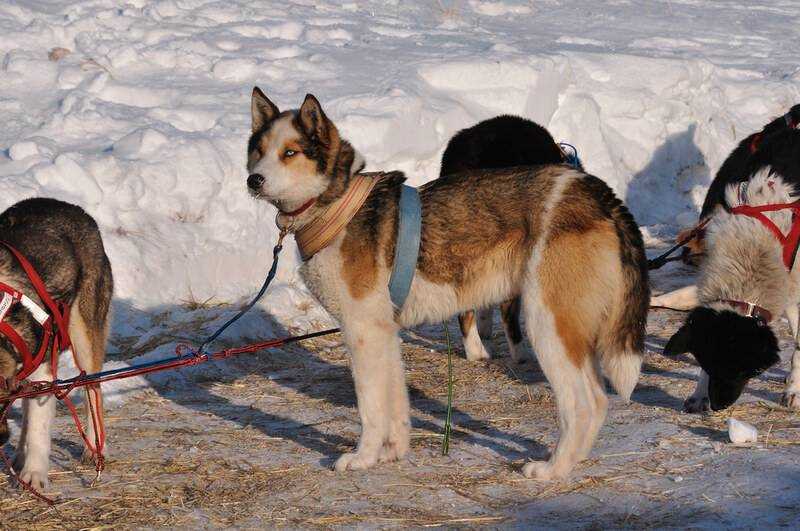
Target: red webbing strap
(30, 362)
(789, 242)
(41, 290)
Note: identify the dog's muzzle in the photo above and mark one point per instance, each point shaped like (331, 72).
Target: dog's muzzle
(255, 181)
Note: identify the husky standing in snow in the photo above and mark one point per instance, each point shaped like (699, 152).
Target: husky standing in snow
(63, 244)
(500, 142)
(555, 237)
(746, 281)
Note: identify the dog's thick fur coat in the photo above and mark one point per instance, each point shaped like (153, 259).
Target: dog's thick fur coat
(744, 263)
(554, 236)
(500, 142)
(63, 244)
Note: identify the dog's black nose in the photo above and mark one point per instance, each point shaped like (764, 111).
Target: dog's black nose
(255, 181)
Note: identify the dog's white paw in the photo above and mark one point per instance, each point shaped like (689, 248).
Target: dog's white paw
(393, 451)
(543, 470)
(36, 477)
(355, 461)
(791, 399)
(695, 404)
(474, 349)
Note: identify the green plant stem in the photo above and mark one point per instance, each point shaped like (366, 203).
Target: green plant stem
(447, 422)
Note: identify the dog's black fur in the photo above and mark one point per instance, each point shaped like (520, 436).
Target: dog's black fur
(500, 142)
(776, 145)
(730, 347)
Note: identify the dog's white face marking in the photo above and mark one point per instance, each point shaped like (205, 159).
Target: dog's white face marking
(290, 177)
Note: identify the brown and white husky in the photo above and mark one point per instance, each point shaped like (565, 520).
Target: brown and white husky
(556, 237)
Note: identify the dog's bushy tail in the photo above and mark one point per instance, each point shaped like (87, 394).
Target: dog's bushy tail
(621, 344)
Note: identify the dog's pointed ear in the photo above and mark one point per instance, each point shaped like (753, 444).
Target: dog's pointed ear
(314, 122)
(262, 109)
(680, 342)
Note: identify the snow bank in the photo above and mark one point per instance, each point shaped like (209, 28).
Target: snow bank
(144, 122)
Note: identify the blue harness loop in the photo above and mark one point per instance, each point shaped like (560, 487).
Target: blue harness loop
(406, 250)
(571, 155)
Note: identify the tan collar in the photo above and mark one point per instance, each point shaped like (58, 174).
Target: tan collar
(320, 231)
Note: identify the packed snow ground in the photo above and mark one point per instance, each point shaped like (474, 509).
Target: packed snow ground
(139, 112)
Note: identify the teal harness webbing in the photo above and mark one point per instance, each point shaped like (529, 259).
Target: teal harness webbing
(406, 250)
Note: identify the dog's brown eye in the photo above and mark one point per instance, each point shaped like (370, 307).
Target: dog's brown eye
(289, 153)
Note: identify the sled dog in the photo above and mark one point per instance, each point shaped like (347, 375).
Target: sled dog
(555, 237)
(747, 279)
(63, 244)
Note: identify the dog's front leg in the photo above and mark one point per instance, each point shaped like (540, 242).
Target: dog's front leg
(791, 396)
(699, 401)
(680, 299)
(379, 378)
(35, 446)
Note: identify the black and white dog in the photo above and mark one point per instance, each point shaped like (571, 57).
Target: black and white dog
(748, 276)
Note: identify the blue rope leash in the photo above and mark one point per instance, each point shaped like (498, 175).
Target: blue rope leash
(271, 275)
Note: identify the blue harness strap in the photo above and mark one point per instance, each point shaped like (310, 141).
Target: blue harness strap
(406, 250)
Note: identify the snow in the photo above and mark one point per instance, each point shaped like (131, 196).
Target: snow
(139, 112)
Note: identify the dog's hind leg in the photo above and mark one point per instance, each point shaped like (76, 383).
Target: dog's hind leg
(791, 396)
(38, 415)
(88, 329)
(509, 311)
(377, 369)
(569, 291)
(474, 349)
(563, 348)
(580, 399)
(85, 346)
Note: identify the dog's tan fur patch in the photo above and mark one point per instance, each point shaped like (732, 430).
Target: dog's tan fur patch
(571, 267)
(465, 234)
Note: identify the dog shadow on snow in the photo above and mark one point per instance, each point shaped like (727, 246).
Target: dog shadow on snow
(675, 167)
(303, 372)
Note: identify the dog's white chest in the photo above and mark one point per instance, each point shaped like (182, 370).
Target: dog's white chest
(322, 274)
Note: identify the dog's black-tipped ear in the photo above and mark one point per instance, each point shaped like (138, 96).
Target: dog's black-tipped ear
(314, 122)
(680, 342)
(262, 109)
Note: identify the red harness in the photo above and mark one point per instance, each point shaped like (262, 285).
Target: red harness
(55, 339)
(56, 315)
(789, 242)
